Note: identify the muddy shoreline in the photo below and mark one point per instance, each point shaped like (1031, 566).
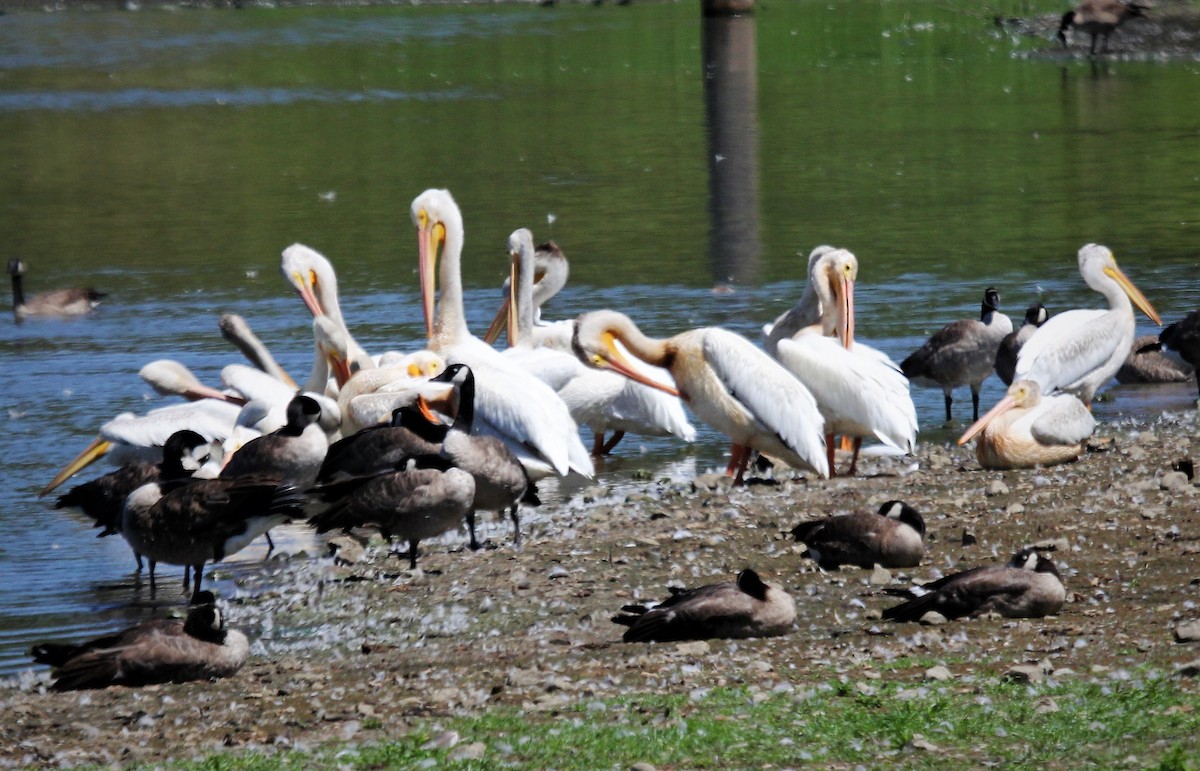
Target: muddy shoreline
(365, 651)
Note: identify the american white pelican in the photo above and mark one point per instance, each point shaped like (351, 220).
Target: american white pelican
(424, 497)
(55, 303)
(1183, 337)
(1147, 363)
(892, 537)
(602, 400)
(1027, 587)
(729, 383)
(172, 378)
(961, 353)
(158, 651)
(1006, 355)
(550, 272)
(510, 403)
(237, 331)
(745, 607)
(192, 521)
(806, 311)
(370, 396)
(314, 279)
(1079, 351)
(1026, 429)
(859, 394)
(1099, 18)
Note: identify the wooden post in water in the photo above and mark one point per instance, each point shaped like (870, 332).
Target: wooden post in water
(726, 7)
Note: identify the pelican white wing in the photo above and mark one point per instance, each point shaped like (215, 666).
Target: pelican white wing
(1061, 420)
(1068, 347)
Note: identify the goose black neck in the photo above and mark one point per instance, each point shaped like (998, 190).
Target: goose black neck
(464, 419)
(18, 289)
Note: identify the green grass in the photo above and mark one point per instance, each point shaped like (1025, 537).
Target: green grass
(1140, 723)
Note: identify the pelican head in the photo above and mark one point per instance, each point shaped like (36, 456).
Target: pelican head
(835, 274)
(313, 277)
(596, 344)
(1021, 395)
(171, 378)
(1098, 267)
(332, 347)
(434, 213)
(520, 282)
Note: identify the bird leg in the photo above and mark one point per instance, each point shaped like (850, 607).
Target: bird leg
(742, 454)
(187, 579)
(975, 405)
(512, 514)
(475, 545)
(949, 401)
(270, 544)
(854, 460)
(153, 564)
(138, 557)
(597, 444)
(412, 553)
(612, 442)
(198, 572)
(829, 455)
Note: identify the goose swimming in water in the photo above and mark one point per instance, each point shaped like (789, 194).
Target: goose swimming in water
(745, 607)
(160, 651)
(56, 303)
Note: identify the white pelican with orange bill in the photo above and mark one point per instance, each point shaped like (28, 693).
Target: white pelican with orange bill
(1078, 351)
(729, 383)
(1027, 429)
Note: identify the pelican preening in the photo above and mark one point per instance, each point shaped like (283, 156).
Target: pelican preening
(961, 353)
(745, 607)
(1027, 429)
(56, 303)
(510, 403)
(1099, 18)
(729, 383)
(1078, 351)
(859, 391)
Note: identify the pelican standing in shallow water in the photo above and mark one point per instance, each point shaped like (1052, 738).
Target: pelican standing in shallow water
(961, 353)
(1079, 351)
(510, 403)
(859, 391)
(1027, 429)
(729, 383)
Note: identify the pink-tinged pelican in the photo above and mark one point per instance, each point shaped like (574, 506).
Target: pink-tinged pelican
(1027, 429)
(730, 384)
(510, 403)
(859, 391)
(1079, 351)
(961, 353)
(600, 399)
(313, 278)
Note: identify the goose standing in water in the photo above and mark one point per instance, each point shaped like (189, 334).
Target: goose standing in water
(892, 537)
(730, 384)
(161, 651)
(1027, 429)
(1147, 363)
(423, 497)
(379, 448)
(1099, 18)
(510, 403)
(191, 521)
(746, 607)
(859, 391)
(1006, 355)
(961, 353)
(1078, 351)
(1027, 587)
(56, 303)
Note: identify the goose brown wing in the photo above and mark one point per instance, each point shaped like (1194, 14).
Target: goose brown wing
(711, 611)
(103, 498)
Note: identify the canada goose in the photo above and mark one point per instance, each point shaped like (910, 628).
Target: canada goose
(1183, 337)
(1099, 18)
(189, 522)
(379, 448)
(76, 301)
(1027, 587)
(892, 537)
(1027, 429)
(500, 480)
(423, 497)
(961, 353)
(1147, 363)
(292, 454)
(747, 607)
(1006, 355)
(160, 651)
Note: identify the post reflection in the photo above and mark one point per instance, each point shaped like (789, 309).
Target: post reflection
(731, 107)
